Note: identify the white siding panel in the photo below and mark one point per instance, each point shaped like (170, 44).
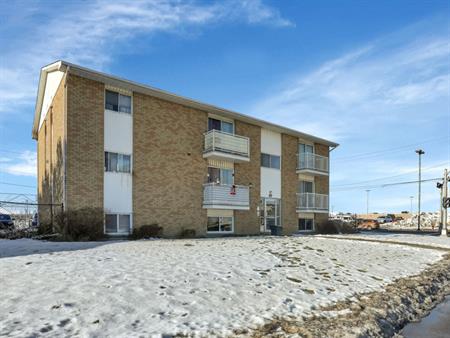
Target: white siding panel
(270, 181)
(51, 86)
(270, 142)
(118, 193)
(219, 213)
(118, 132)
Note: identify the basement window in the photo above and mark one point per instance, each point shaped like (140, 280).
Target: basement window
(115, 162)
(220, 224)
(117, 223)
(117, 102)
(305, 224)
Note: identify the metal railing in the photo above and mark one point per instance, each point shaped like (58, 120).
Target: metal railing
(311, 201)
(226, 195)
(312, 161)
(216, 140)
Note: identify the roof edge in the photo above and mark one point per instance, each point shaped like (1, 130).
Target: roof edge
(148, 90)
(40, 95)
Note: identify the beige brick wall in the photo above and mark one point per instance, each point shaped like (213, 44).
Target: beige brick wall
(168, 167)
(50, 175)
(85, 149)
(247, 222)
(289, 183)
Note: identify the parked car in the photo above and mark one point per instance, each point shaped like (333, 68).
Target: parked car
(388, 219)
(368, 224)
(6, 221)
(381, 220)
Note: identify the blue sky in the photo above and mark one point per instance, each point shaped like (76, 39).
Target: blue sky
(370, 75)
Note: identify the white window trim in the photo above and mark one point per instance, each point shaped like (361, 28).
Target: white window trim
(271, 161)
(221, 232)
(117, 219)
(119, 172)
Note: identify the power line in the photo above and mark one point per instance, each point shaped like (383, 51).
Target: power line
(412, 171)
(18, 185)
(364, 187)
(384, 151)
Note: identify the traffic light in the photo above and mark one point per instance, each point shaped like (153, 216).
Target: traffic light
(446, 202)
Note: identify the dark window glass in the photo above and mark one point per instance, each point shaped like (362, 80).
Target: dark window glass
(124, 223)
(213, 175)
(126, 164)
(227, 127)
(213, 223)
(125, 103)
(111, 223)
(265, 160)
(226, 224)
(275, 162)
(214, 124)
(111, 101)
(305, 224)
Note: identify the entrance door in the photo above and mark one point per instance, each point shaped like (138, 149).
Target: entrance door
(272, 213)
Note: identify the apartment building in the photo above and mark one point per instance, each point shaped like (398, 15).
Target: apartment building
(146, 156)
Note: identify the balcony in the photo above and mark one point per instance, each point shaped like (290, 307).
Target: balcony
(311, 202)
(225, 146)
(218, 196)
(310, 163)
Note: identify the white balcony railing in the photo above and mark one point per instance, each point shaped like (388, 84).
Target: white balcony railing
(229, 196)
(220, 141)
(312, 202)
(311, 161)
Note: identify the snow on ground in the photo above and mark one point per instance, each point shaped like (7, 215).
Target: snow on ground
(196, 287)
(433, 240)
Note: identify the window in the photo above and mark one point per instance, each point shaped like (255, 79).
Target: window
(117, 102)
(305, 148)
(117, 162)
(305, 224)
(221, 176)
(117, 223)
(220, 224)
(270, 161)
(306, 186)
(224, 126)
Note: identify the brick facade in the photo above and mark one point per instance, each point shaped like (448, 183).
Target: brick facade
(168, 165)
(167, 161)
(289, 184)
(85, 150)
(50, 158)
(248, 222)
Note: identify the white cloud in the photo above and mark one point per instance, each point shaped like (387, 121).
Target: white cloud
(24, 165)
(366, 87)
(89, 33)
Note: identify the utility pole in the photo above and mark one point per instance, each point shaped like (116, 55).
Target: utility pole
(411, 198)
(420, 152)
(444, 204)
(367, 202)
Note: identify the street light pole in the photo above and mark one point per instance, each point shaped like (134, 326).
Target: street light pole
(411, 198)
(420, 152)
(367, 203)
